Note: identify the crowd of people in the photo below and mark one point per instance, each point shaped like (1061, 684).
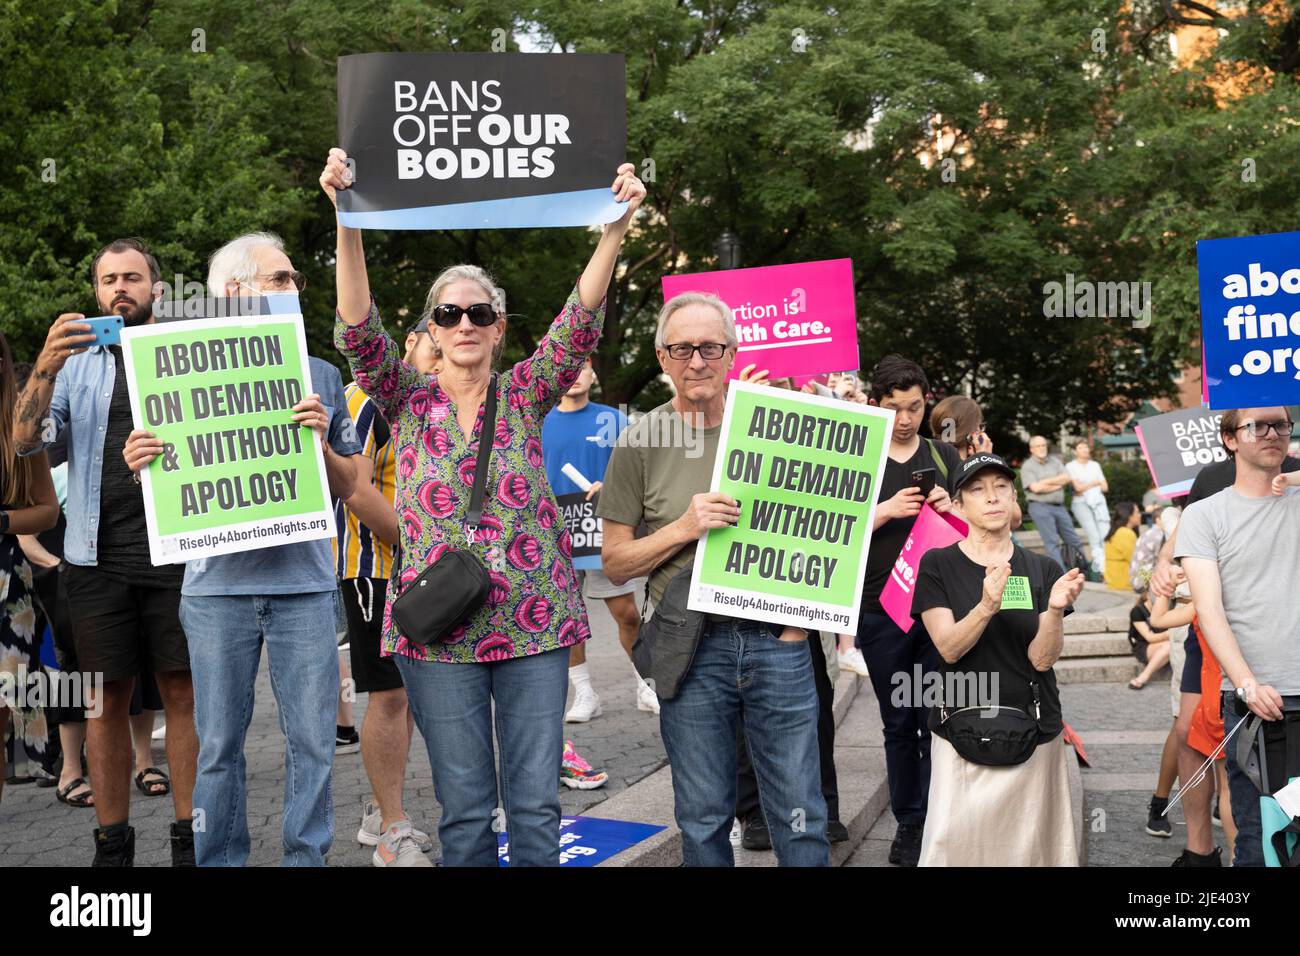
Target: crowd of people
(747, 719)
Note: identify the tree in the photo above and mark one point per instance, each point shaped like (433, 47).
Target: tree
(963, 155)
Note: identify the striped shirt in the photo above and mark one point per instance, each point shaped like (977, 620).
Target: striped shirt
(358, 553)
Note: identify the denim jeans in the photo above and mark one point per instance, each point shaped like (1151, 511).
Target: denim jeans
(1094, 519)
(225, 636)
(1054, 524)
(889, 651)
(744, 676)
(452, 706)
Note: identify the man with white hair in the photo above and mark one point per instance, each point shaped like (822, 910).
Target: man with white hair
(283, 595)
(665, 484)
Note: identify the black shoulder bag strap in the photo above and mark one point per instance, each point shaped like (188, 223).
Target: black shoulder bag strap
(486, 438)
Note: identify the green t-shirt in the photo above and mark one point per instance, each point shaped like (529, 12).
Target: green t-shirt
(658, 465)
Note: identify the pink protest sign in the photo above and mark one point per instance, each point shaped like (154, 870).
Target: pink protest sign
(791, 320)
(932, 530)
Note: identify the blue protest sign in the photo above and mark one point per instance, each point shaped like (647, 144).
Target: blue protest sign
(586, 841)
(1250, 319)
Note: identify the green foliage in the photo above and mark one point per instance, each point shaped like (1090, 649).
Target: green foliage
(1128, 480)
(1108, 165)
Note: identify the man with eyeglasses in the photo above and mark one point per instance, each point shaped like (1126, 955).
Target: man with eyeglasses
(124, 611)
(662, 484)
(1238, 548)
(281, 595)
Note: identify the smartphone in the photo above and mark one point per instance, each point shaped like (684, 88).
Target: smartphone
(107, 329)
(923, 478)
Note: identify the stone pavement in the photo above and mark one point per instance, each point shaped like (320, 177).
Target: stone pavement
(1123, 732)
(35, 829)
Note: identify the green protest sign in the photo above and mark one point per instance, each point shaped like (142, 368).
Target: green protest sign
(1016, 596)
(236, 472)
(805, 470)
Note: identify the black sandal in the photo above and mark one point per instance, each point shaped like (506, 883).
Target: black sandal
(63, 794)
(151, 789)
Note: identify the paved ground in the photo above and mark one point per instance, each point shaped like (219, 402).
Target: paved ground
(1123, 732)
(37, 830)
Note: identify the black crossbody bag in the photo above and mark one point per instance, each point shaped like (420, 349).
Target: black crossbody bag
(451, 589)
(993, 736)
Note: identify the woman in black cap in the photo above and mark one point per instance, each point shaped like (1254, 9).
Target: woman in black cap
(999, 790)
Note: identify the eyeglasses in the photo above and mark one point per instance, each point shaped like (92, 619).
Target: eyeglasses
(283, 279)
(448, 316)
(685, 351)
(1281, 428)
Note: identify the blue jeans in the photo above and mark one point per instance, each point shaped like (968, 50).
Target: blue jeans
(743, 675)
(1094, 519)
(452, 706)
(889, 651)
(225, 636)
(1053, 523)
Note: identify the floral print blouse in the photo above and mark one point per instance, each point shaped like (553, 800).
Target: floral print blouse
(535, 604)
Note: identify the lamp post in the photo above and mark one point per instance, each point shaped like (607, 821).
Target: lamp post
(727, 247)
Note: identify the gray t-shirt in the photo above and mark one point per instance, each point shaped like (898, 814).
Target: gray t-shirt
(1033, 471)
(658, 465)
(1254, 542)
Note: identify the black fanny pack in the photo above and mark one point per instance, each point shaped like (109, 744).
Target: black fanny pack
(993, 736)
(666, 642)
(449, 591)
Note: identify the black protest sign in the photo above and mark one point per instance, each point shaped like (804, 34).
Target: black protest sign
(585, 529)
(1179, 444)
(481, 140)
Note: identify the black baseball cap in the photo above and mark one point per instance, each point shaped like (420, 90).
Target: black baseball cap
(421, 326)
(977, 463)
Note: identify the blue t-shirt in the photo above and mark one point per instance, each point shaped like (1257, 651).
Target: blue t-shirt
(306, 567)
(584, 439)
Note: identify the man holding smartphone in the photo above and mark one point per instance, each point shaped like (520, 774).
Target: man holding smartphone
(917, 472)
(124, 612)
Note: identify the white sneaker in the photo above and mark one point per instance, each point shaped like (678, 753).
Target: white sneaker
(852, 660)
(646, 699)
(371, 821)
(160, 733)
(397, 847)
(586, 705)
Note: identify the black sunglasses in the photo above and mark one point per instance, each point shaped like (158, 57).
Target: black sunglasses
(448, 316)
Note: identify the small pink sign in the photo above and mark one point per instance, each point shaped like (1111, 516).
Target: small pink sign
(795, 319)
(932, 530)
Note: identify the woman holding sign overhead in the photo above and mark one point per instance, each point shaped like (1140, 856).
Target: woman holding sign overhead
(999, 790)
(485, 603)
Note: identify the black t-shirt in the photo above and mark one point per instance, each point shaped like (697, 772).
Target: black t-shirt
(1140, 615)
(123, 542)
(1212, 479)
(948, 578)
(888, 540)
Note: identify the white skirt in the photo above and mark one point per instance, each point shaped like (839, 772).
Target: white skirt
(1000, 816)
